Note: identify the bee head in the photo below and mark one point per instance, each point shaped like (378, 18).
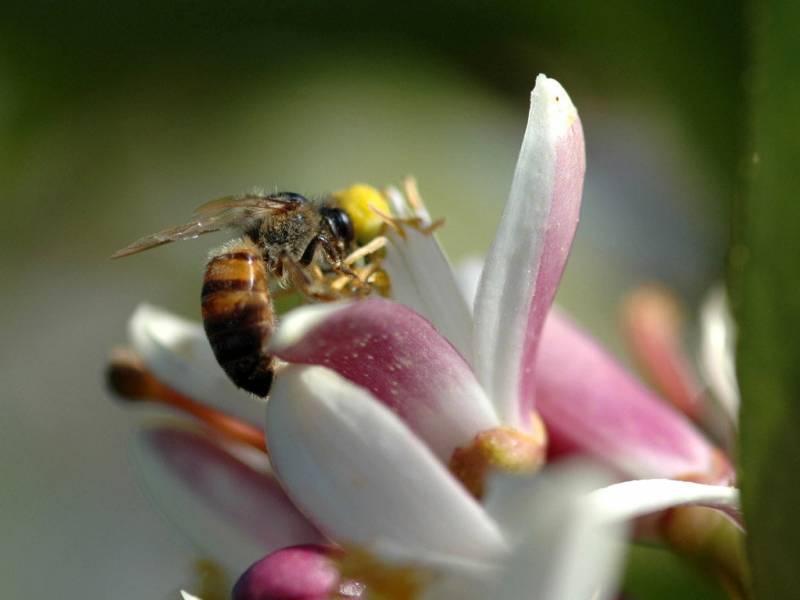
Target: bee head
(340, 224)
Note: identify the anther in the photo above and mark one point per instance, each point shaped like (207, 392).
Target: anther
(128, 377)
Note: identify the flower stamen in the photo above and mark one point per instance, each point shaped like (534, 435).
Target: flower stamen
(128, 377)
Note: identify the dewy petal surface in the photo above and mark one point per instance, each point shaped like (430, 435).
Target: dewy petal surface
(397, 355)
(177, 352)
(592, 406)
(231, 510)
(525, 262)
(351, 465)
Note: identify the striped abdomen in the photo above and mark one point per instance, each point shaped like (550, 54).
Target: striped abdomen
(238, 316)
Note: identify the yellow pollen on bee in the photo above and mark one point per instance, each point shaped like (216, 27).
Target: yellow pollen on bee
(361, 201)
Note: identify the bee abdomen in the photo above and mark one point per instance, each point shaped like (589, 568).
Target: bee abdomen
(238, 316)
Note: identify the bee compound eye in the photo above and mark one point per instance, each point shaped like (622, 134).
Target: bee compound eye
(340, 223)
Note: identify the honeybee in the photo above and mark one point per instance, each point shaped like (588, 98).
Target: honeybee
(302, 244)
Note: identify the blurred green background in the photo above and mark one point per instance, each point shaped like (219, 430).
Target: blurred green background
(116, 119)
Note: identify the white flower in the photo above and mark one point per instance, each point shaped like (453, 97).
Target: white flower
(361, 428)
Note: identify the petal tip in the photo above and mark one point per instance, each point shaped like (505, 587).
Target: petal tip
(549, 95)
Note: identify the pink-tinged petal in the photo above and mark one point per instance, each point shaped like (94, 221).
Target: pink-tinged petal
(232, 511)
(631, 499)
(653, 322)
(398, 356)
(176, 351)
(297, 573)
(592, 406)
(524, 265)
(351, 465)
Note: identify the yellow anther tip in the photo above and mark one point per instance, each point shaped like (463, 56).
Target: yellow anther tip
(358, 201)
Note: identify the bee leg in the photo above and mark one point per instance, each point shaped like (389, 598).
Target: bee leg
(371, 248)
(301, 281)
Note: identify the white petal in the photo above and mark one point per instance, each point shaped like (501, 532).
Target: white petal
(423, 280)
(631, 499)
(468, 275)
(564, 546)
(235, 513)
(717, 358)
(363, 477)
(187, 596)
(422, 277)
(177, 352)
(525, 262)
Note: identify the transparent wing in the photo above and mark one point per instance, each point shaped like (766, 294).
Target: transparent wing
(257, 203)
(230, 212)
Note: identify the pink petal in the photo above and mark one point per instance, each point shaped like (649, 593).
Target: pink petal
(231, 510)
(297, 573)
(398, 356)
(654, 326)
(592, 406)
(524, 265)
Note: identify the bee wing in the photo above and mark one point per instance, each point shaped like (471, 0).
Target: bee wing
(224, 213)
(187, 231)
(256, 205)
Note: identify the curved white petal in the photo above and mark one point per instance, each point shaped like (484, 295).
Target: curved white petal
(363, 477)
(563, 545)
(717, 358)
(397, 355)
(177, 352)
(235, 513)
(570, 550)
(631, 499)
(468, 275)
(423, 280)
(525, 262)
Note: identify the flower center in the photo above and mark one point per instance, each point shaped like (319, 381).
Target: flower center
(503, 449)
(382, 581)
